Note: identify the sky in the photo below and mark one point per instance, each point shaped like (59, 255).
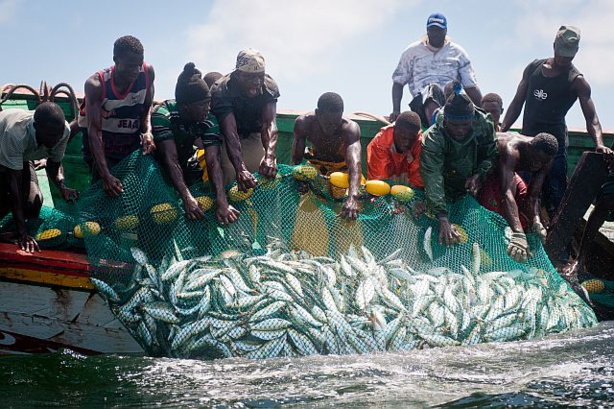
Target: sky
(311, 46)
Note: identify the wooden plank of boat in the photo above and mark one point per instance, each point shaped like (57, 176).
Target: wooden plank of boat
(49, 302)
(590, 173)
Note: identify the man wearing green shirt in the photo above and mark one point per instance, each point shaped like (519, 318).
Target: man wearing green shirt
(458, 152)
(178, 126)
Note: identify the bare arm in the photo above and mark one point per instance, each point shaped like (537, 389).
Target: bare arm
(224, 213)
(93, 107)
(146, 137)
(515, 107)
(352, 159)
(24, 241)
(506, 168)
(245, 179)
(593, 126)
(475, 94)
(534, 190)
(397, 96)
(55, 172)
(171, 162)
(269, 135)
(300, 137)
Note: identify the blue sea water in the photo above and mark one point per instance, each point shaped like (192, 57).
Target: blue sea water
(574, 369)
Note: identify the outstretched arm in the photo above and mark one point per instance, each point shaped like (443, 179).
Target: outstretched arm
(352, 159)
(593, 126)
(147, 141)
(515, 107)
(245, 179)
(269, 134)
(171, 162)
(300, 137)
(55, 172)
(93, 107)
(397, 96)
(24, 241)
(224, 213)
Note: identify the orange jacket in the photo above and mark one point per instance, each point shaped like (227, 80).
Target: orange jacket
(383, 161)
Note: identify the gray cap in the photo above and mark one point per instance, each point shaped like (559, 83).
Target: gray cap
(567, 41)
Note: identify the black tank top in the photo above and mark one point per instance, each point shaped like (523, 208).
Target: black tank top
(547, 101)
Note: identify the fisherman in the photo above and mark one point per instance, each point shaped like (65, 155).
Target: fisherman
(26, 136)
(434, 59)
(576, 270)
(245, 104)
(493, 104)
(458, 154)
(394, 153)
(180, 124)
(211, 77)
(548, 89)
(335, 145)
(115, 115)
(506, 193)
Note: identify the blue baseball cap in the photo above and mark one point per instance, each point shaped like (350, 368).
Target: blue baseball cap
(437, 20)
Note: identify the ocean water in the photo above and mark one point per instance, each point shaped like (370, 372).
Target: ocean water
(574, 369)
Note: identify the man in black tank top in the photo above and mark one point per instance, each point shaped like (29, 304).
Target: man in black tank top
(548, 89)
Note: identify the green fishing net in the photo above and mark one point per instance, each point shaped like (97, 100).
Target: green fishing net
(291, 278)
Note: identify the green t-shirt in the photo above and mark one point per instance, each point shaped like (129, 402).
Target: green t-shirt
(167, 124)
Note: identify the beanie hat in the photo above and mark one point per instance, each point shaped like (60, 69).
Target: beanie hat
(190, 86)
(458, 106)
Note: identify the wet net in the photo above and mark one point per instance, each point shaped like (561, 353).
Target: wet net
(290, 278)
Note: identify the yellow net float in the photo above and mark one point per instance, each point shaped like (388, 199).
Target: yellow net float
(163, 213)
(594, 286)
(235, 195)
(464, 237)
(205, 202)
(48, 234)
(304, 173)
(87, 228)
(402, 193)
(128, 222)
(377, 187)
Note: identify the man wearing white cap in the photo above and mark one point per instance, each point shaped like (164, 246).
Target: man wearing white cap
(245, 104)
(548, 89)
(432, 60)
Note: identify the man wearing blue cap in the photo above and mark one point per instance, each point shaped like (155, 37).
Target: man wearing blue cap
(432, 60)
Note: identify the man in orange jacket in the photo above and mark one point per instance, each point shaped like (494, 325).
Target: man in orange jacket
(394, 153)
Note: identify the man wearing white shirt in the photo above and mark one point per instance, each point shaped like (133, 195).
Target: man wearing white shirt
(26, 136)
(434, 59)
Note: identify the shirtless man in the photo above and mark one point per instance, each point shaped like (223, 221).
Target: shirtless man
(505, 192)
(335, 143)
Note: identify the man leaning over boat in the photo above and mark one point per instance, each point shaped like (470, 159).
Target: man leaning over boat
(179, 125)
(335, 145)
(115, 116)
(27, 136)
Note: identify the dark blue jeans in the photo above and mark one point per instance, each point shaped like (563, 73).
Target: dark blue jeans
(555, 184)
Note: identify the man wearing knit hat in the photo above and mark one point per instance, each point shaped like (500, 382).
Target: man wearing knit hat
(394, 153)
(548, 89)
(458, 153)
(179, 125)
(245, 104)
(434, 59)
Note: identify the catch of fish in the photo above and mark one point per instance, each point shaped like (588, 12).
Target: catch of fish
(289, 303)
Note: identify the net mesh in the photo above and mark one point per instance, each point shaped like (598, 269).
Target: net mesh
(290, 278)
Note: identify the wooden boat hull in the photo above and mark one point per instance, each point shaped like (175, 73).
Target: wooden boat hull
(48, 303)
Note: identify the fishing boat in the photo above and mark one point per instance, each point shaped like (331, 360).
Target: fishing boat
(47, 299)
